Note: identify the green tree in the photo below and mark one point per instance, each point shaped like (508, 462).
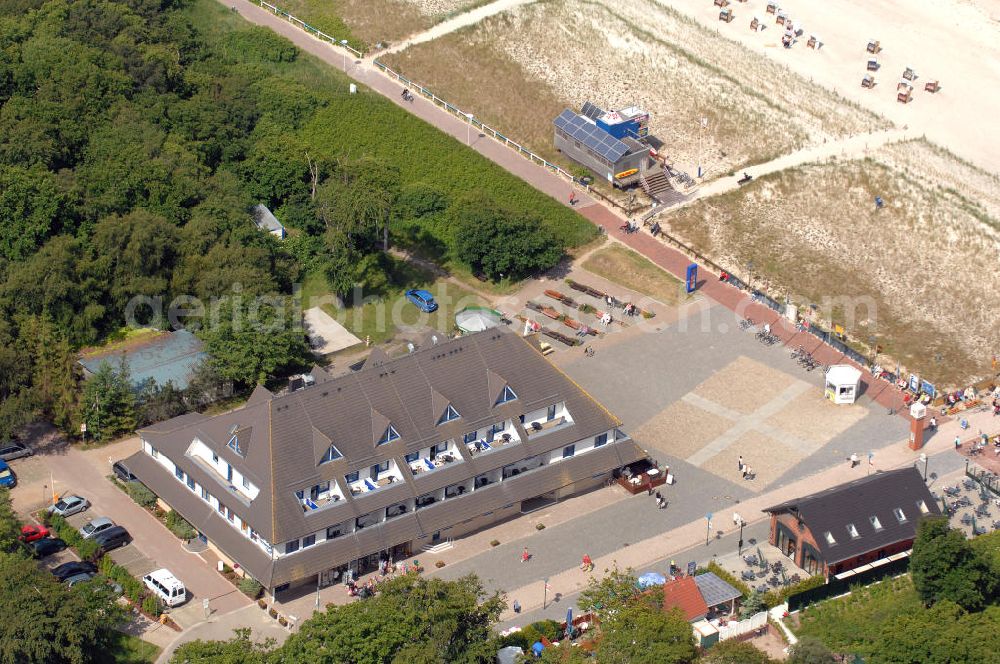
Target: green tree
(609, 593)
(359, 201)
(500, 244)
(735, 652)
(810, 650)
(945, 566)
(44, 622)
(250, 340)
(158, 403)
(642, 631)
(108, 402)
(413, 619)
(240, 649)
(55, 373)
(10, 524)
(30, 206)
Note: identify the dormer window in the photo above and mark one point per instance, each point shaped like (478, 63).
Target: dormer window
(448, 415)
(899, 515)
(829, 538)
(506, 395)
(234, 444)
(331, 454)
(853, 531)
(922, 506)
(390, 435)
(876, 524)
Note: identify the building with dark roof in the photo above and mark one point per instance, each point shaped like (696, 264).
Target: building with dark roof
(611, 144)
(852, 524)
(378, 463)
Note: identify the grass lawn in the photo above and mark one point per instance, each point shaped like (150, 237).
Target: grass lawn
(630, 269)
(133, 650)
(384, 317)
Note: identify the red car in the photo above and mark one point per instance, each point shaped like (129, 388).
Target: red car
(32, 533)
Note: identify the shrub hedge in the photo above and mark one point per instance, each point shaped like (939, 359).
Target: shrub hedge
(141, 494)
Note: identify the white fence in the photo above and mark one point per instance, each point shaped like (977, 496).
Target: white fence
(751, 624)
(340, 43)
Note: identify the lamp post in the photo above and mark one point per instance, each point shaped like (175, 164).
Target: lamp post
(343, 42)
(740, 521)
(708, 527)
(924, 459)
(468, 129)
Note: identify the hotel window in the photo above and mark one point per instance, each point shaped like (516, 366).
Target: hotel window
(922, 506)
(205, 495)
(308, 541)
(331, 454)
(234, 444)
(448, 415)
(333, 532)
(179, 473)
(222, 508)
(351, 477)
(829, 538)
(390, 435)
(876, 524)
(852, 531)
(412, 456)
(550, 414)
(230, 514)
(471, 437)
(600, 440)
(569, 451)
(899, 515)
(506, 395)
(215, 458)
(246, 482)
(190, 482)
(291, 547)
(153, 453)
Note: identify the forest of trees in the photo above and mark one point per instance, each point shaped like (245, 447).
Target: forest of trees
(133, 143)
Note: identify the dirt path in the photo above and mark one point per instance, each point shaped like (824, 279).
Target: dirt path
(851, 147)
(451, 25)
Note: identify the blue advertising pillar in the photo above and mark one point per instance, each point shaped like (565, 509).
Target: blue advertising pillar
(692, 277)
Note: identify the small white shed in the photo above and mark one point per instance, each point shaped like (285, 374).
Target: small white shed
(265, 220)
(842, 383)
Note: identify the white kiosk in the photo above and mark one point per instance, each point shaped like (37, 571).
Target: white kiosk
(842, 383)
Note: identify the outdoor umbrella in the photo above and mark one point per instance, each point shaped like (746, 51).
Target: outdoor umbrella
(476, 319)
(650, 579)
(537, 648)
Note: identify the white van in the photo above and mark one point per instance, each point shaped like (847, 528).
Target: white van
(166, 586)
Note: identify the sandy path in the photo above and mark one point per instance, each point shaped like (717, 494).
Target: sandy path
(955, 41)
(457, 23)
(853, 147)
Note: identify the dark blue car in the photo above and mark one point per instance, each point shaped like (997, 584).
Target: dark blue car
(424, 300)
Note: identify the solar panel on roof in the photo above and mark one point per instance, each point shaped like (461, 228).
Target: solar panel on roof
(591, 111)
(595, 138)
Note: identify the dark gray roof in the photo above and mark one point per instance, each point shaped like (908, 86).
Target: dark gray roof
(283, 437)
(715, 590)
(588, 133)
(855, 503)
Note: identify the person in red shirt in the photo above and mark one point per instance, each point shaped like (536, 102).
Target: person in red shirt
(587, 564)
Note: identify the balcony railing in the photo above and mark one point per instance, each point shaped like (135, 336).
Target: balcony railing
(483, 446)
(426, 465)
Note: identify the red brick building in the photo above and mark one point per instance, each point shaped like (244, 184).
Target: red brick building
(852, 524)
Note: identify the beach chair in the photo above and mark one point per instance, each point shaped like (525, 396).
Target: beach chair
(932, 86)
(726, 15)
(868, 81)
(909, 74)
(772, 8)
(873, 65)
(780, 19)
(755, 24)
(904, 96)
(873, 46)
(721, 3)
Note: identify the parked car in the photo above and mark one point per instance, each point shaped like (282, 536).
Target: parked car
(7, 476)
(423, 299)
(11, 450)
(46, 547)
(122, 472)
(31, 533)
(95, 526)
(112, 538)
(166, 586)
(72, 568)
(69, 505)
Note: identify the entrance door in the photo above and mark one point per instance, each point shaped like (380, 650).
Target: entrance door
(436, 537)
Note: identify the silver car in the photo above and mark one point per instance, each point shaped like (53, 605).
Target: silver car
(11, 450)
(69, 505)
(96, 526)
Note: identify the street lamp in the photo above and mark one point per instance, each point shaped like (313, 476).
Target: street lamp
(740, 521)
(343, 42)
(923, 457)
(468, 129)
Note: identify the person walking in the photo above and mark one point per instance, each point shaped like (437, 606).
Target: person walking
(854, 460)
(933, 423)
(741, 463)
(958, 442)
(517, 606)
(525, 556)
